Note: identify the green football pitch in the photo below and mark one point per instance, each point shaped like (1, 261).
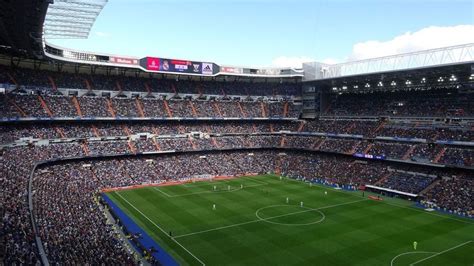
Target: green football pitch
(253, 224)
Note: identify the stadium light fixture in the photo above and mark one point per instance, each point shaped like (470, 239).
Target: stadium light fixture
(380, 84)
(423, 80)
(344, 88)
(408, 82)
(393, 83)
(452, 78)
(471, 77)
(440, 79)
(357, 86)
(367, 85)
(334, 88)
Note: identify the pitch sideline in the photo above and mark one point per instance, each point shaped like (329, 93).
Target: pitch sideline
(161, 229)
(393, 204)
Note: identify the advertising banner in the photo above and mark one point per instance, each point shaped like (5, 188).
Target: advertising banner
(233, 70)
(123, 60)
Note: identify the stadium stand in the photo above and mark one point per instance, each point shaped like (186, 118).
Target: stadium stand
(453, 194)
(440, 102)
(408, 182)
(66, 189)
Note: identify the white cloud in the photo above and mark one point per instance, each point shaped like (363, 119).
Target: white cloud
(330, 61)
(427, 38)
(297, 61)
(424, 39)
(291, 61)
(102, 34)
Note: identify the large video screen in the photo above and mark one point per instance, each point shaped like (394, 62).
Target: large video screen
(178, 66)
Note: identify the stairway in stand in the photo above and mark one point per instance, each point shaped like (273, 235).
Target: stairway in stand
(409, 152)
(439, 155)
(382, 180)
(167, 108)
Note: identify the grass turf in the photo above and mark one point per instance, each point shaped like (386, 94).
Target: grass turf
(255, 225)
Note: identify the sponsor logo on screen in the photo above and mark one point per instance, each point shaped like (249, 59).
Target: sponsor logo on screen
(165, 65)
(207, 69)
(196, 68)
(152, 63)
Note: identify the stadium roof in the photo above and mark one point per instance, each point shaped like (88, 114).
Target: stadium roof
(71, 19)
(452, 55)
(21, 25)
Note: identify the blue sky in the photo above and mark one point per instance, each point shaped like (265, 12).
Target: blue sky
(277, 32)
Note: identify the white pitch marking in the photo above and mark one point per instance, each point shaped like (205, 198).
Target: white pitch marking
(166, 194)
(259, 220)
(256, 180)
(400, 206)
(425, 212)
(407, 253)
(205, 192)
(442, 252)
(288, 224)
(157, 226)
(202, 183)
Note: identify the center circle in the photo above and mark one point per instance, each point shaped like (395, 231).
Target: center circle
(297, 210)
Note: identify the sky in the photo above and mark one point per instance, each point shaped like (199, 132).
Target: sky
(276, 33)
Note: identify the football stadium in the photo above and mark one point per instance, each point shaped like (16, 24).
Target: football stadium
(111, 158)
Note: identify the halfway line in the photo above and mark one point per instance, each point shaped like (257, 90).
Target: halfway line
(273, 217)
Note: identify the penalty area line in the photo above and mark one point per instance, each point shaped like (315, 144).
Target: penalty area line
(255, 180)
(203, 183)
(159, 190)
(408, 253)
(206, 192)
(161, 229)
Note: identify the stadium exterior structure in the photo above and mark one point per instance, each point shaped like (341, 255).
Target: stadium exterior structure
(75, 18)
(453, 56)
(448, 67)
(451, 67)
